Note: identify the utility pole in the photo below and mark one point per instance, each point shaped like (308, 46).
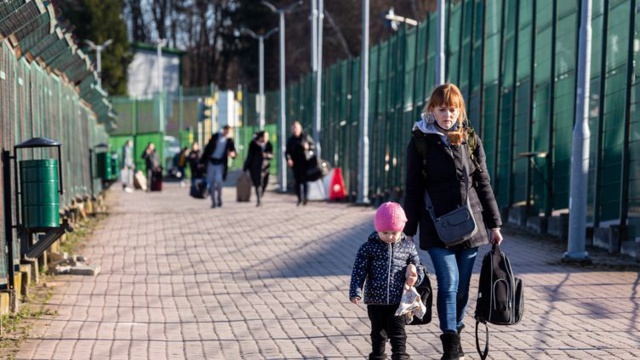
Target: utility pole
(363, 143)
(261, 38)
(98, 49)
(282, 166)
(580, 147)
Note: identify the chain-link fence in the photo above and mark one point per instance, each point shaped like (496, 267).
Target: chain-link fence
(58, 100)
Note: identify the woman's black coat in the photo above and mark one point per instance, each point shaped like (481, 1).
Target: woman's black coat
(446, 185)
(254, 163)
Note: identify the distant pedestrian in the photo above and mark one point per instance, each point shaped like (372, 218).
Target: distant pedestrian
(128, 166)
(194, 163)
(298, 151)
(266, 161)
(450, 170)
(215, 157)
(152, 162)
(182, 165)
(383, 266)
(254, 163)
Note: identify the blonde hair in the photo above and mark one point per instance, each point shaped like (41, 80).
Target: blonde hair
(448, 94)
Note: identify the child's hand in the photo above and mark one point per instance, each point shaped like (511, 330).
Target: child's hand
(411, 275)
(355, 300)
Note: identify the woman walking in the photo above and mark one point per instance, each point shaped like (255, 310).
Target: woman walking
(254, 163)
(447, 161)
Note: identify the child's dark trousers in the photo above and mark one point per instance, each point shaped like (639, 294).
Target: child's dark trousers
(386, 326)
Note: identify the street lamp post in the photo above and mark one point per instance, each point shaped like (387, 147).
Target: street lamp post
(576, 251)
(160, 44)
(363, 148)
(98, 49)
(282, 168)
(261, 38)
(440, 44)
(317, 15)
(395, 19)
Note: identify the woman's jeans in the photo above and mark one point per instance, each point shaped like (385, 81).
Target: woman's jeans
(453, 272)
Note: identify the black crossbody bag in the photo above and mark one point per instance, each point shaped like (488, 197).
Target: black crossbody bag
(457, 226)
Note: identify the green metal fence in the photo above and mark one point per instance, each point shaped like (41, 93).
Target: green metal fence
(515, 62)
(59, 100)
(139, 120)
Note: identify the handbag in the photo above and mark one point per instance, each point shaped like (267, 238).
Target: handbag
(457, 226)
(316, 168)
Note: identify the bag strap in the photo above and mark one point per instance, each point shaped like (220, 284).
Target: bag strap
(485, 353)
(427, 198)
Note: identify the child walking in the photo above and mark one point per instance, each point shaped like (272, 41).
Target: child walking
(387, 261)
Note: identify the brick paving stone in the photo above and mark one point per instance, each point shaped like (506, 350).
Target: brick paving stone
(179, 280)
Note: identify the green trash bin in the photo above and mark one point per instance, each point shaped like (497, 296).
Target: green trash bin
(103, 160)
(115, 167)
(39, 193)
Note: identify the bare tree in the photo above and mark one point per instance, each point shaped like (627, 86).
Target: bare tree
(160, 12)
(137, 24)
(208, 31)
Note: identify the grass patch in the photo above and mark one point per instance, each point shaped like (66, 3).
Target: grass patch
(75, 240)
(18, 327)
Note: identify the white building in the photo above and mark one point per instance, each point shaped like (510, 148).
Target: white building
(143, 71)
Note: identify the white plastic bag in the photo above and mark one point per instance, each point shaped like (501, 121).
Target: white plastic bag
(411, 304)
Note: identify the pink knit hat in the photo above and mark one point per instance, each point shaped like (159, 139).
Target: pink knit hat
(390, 217)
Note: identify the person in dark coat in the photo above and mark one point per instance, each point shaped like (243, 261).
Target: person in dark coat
(266, 161)
(152, 162)
(254, 163)
(215, 157)
(299, 147)
(194, 163)
(447, 151)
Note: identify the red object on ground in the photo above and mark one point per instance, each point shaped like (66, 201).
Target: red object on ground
(337, 190)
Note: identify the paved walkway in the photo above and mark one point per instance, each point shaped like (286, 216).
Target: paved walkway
(182, 281)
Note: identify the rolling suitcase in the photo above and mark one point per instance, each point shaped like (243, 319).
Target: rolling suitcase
(243, 188)
(140, 181)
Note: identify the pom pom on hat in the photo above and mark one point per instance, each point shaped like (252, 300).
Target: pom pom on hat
(389, 217)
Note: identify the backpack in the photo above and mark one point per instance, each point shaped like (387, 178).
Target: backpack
(500, 295)
(426, 295)
(421, 145)
(198, 189)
